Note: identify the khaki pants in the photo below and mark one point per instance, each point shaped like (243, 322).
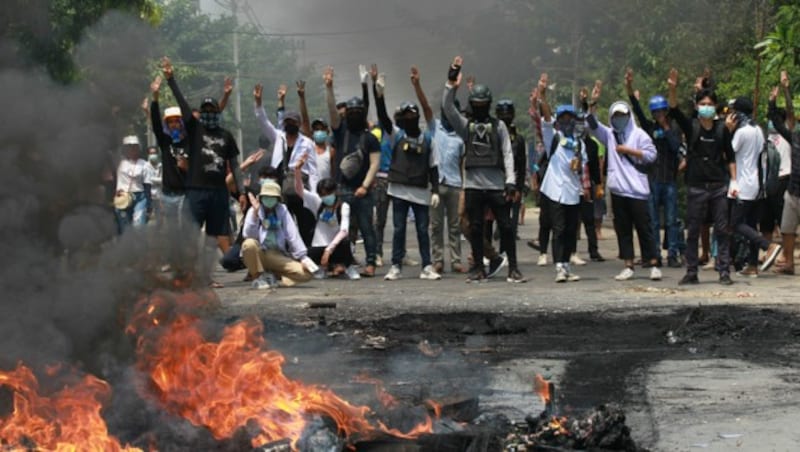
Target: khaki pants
(447, 209)
(258, 261)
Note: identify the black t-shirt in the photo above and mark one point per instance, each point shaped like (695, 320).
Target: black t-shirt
(174, 179)
(371, 145)
(209, 152)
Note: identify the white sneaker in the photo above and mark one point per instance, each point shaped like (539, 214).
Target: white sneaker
(394, 274)
(572, 277)
(485, 261)
(576, 260)
(561, 274)
(320, 274)
(710, 265)
(655, 274)
(429, 273)
(378, 261)
(625, 274)
(542, 261)
(352, 273)
(408, 262)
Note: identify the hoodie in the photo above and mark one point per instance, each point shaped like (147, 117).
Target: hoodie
(624, 179)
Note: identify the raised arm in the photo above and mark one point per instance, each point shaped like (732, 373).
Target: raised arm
(155, 113)
(330, 98)
(305, 127)
(777, 121)
(634, 100)
(263, 121)
(227, 89)
(599, 130)
(186, 110)
(423, 101)
(547, 112)
(378, 88)
(456, 119)
(672, 99)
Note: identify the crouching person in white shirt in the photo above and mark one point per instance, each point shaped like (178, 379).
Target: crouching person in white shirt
(272, 249)
(328, 248)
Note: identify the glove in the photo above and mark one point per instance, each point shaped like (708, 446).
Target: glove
(309, 264)
(434, 200)
(510, 190)
(733, 189)
(452, 73)
(380, 84)
(363, 74)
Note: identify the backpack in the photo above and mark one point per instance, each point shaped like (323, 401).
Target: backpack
(544, 159)
(768, 169)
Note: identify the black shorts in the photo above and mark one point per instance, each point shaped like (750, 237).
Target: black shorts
(210, 208)
(773, 208)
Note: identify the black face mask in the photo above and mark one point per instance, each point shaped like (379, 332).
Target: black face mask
(410, 125)
(480, 112)
(355, 121)
(291, 129)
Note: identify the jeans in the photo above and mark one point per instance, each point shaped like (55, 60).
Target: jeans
(361, 214)
(135, 215)
(400, 209)
(477, 201)
(381, 210)
(699, 202)
(175, 208)
(665, 194)
(447, 210)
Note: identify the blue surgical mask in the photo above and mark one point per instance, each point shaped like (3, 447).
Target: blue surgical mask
(706, 111)
(329, 200)
(320, 136)
(658, 133)
(269, 202)
(770, 126)
(153, 158)
(619, 123)
(176, 135)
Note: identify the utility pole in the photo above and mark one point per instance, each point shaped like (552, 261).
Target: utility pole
(236, 80)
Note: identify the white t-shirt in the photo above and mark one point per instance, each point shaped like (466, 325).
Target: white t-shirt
(325, 231)
(131, 176)
(324, 163)
(747, 144)
(154, 175)
(785, 151)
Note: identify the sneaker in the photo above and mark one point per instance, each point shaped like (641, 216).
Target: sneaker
(394, 274)
(407, 261)
(597, 258)
(749, 272)
(725, 279)
(709, 265)
(534, 244)
(429, 273)
(561, 274)
(369, 271)
(264, 281)
(576, 260)
(438, 267)
(485, 261)
(378, 261)
(688, 279)
(674, 262)
(476, 275)
(458, 268)
(514, 276)
(625, 274)
(772, 253)
(320, 274)
(352, 273)
(542, 261)
(655, 274)
(496, 265)
(572, 277)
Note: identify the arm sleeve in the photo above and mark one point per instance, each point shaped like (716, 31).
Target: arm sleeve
(508, 154)
(251, 225)
(548, 132)
(266, 126)
(779, 125)
(383, 116)
(645, 123)
(186, 110)
(365, 96)
(344, 228)
(456, 119)
(155, 121)
(599, 130)
(296, 246)
(683, 122)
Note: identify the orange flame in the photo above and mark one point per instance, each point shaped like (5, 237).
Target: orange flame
(540, 387)
(235, 382)
(69, 420)
(386, 399)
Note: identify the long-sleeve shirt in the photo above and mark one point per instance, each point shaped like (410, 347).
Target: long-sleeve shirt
(708, 158)
(480, 178)
(667, 142)
(793, 137)
(302, 146)
(284, 237)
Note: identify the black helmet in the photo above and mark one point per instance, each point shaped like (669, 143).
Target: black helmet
(480, 93)
(355, 102)
(504, 107)
(408, 107)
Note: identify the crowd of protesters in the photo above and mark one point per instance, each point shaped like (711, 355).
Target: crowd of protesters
(314, 186)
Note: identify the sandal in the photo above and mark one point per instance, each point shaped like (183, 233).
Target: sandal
(368, 272)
